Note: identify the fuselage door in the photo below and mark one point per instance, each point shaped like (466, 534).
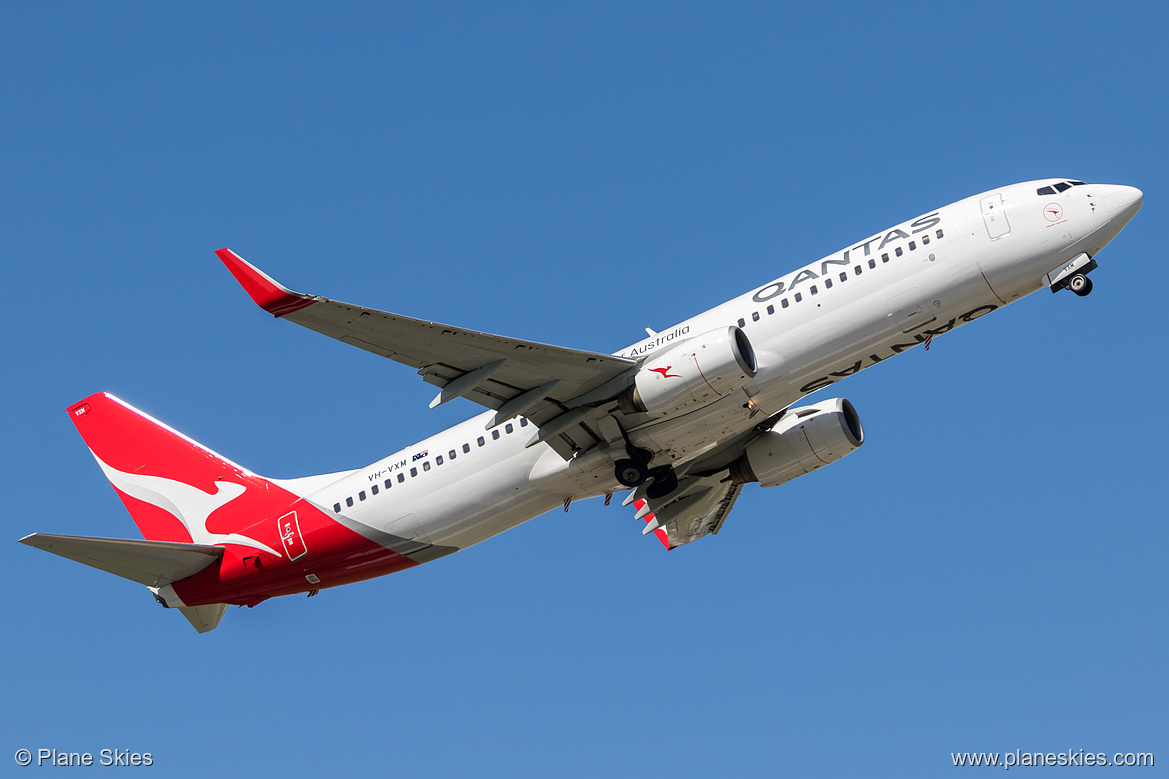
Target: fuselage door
(995, 216)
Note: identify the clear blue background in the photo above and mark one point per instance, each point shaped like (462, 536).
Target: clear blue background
(988, 573)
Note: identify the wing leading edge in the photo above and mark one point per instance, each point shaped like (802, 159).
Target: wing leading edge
(547, 384)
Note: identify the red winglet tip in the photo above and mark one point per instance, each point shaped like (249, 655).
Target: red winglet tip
(269, 295)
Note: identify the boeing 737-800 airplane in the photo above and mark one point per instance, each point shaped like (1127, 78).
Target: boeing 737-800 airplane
(682, 419)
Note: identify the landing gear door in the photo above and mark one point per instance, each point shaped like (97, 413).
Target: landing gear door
(995, 216)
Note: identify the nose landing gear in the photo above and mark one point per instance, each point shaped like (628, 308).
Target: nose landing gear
(1080, 284)
(1072, 275)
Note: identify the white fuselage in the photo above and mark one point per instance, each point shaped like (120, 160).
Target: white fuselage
(810, 328)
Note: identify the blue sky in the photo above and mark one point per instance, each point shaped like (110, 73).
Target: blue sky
(988, 573)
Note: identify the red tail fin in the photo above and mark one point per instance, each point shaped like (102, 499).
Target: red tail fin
(174, 488)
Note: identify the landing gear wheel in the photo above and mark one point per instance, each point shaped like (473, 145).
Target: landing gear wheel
(1080, 284)
(630, 472)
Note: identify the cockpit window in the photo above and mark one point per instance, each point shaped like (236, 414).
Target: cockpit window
(1060, 187)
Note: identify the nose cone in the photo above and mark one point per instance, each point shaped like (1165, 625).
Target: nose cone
(1122, 203)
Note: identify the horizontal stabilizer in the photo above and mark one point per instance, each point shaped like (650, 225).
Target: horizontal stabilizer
(153, 563)
(204, 618)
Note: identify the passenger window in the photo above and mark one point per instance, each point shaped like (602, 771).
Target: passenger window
(389, 483)
(451, 454)
(912, 246)
(509, 427)
(373, 490)
(413, 472)
(337, 508)
(799, 297)
(523, 421)
(742, 323)
(437, 461)
(495, 435)
(426, 465)
(754, 316)
(925, 239)
(856, 270)
(898, 251)
(349, 502)
(873, 263)
(827, 283)
(940, 234)
(771, 309)
(481, 441)
(361, 495)
(783, 303)
(401, 478)
(466, 448)
(844, 275)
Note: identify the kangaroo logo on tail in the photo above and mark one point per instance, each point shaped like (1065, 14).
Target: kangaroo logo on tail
(189, 505)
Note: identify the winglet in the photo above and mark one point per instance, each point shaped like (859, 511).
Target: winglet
(268, 294)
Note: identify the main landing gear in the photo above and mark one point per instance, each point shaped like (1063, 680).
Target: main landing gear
(633, 471)
(1080, 284)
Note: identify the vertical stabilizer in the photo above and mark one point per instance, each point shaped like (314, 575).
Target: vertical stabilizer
(174, 488)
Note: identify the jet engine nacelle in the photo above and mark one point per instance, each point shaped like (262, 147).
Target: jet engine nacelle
(695, 372)
(805, 439)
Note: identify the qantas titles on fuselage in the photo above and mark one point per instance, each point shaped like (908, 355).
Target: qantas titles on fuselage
(682, 419)
(788, 283)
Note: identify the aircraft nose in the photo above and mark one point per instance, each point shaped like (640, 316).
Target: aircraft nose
(1122, 203)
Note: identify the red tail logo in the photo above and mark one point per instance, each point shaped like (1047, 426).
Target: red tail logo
(176, 489)
(666, 372)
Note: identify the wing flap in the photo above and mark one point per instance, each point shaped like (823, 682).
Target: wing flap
(698, 507)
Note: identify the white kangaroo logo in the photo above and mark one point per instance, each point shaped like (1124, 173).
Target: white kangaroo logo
(190, 505)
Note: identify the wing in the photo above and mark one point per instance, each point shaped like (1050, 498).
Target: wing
(697, 507)
(552, 386)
